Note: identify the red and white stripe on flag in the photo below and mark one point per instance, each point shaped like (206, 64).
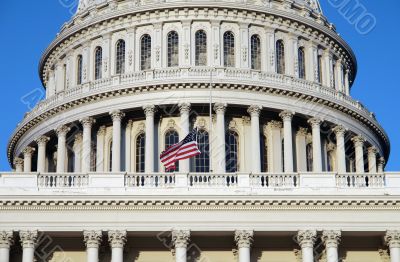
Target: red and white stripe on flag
(185, 149)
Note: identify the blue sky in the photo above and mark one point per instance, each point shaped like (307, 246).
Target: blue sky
(27, 27)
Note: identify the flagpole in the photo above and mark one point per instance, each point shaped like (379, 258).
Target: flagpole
(210, 123)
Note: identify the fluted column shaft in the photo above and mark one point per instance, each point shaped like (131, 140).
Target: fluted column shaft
(359, 153)
(6, 241)
(392, 239)
(77, 147)
(331, 239)
(220, 154)
(117, 240)
(316, 144)
(306, 240)
(340, 149)
(254, 112)
(180, 240)
(86, 143)
(28, 241)
(287, 117)
(149, 152)
(28, 151)
(244, 240)
(372, 151)
(41, 162)
(61, 149)
(92, 241)
(184, 165)
(116, 140)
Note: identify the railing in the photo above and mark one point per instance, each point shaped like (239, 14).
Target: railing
(62, 180)
(274, 180)
(360, 180)
(208, 183)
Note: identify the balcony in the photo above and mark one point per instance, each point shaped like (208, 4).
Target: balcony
(199, 184)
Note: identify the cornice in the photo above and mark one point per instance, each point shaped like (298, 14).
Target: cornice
(299, 95)
(267, 13)
(198, 204)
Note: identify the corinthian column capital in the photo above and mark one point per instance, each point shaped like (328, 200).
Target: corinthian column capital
(331, 238)
(286, 115)
(6, 239)
(315, 122)
(306, 238)
(244, 238)
(184, 107)
(28, 238)
(392, 238)
(339, 130)
(117, 115)
(149, 110)
(92, 238)
(372, 150)
(87, 122)
(18, 161)
(28, 151)
(62, 130)
(42, 140)
(220, 108)
(254, 110)
(117, 238)
(180, 238)
(358, 140)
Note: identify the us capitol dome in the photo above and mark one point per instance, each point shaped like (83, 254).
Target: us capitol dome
(291, 166)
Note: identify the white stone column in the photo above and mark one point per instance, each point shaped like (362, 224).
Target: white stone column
(6, 241)
(316, 138)
(273, 131)
(184, 108)
(117, 240)
(244, 37)
(92, 241)
(359, 153)
(149, 111)
(347, 82)
(301, 149)
(291, 54)
(28, 152)
(28, 241)
(101, 135)
(331, 240)
(254, 112)
(372, 151)
(244, 240)
(128, 145)
(18, 164)
(77, 147)
(306, 240)
(41, 161)
(381, 164)
(340, 131)
(62, 147)
(287, 117)
(51, 85)
(180, 240)
(392, 239)
(116, 116)
(60, 77)
(311, 61)
(87, 123)
(219, 134)
(339, 76)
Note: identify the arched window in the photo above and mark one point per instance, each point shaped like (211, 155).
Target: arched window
(229, 49)
(280, 57)
(79, 68)
(98, 62)
(309, 152)
(140, 153)
(232, 151)
(201, 48)
(145, 52)
(173, 49)
(319, 67)
(264, 153)
(202, 161)
(120, 57)
(302, 63)
(172, 137)
(255, 52)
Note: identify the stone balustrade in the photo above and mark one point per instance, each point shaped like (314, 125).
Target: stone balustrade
(216, 182)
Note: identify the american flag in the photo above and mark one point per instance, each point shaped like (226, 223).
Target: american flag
(185, 149)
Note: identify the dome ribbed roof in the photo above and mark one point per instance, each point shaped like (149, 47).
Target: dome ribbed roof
(87, 4)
